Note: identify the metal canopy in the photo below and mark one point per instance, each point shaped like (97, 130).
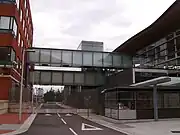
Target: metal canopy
(154, 82)
(175, 81)
(150, 82)
(78, 58)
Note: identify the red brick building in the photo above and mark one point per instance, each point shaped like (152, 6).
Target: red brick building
(16, 33)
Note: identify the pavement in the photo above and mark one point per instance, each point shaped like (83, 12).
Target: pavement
(10, 125)
(139, 127)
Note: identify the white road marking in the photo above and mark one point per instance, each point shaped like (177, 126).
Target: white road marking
(73, 131)
(89, 127)
(63, 121)
(68, 115)
(48, 114)
(58, 115)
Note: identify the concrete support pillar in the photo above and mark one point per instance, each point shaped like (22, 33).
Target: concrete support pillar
(155, 102)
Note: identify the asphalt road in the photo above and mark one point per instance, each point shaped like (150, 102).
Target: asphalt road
(60, 124)
(50, 106)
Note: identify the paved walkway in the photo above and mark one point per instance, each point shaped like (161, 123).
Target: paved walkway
(139, 127)
(9, 122)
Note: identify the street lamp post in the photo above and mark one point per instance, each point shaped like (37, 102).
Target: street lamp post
(21, 86)
(32, 100)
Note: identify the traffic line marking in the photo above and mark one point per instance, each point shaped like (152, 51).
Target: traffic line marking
(58, 115)
(48, 114)
(68, 115)
(73, 131)
(63, 121)
(89, 127)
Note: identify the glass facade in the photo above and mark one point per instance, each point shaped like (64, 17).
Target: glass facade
(161, 54)
(141, 99)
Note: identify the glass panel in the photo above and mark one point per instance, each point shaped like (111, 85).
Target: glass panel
(11, 22)
(34, 56)
(45, 77)
(4, 22)
(56, 78)
(68, 78)
(178, 45)
(13, 55)
(97, 59)
(171, 100)
(87, 58)
(15, 28)
(90, 78)
(127, 61)
(77, 58)
(79, 78)
(66, 58)
(107, 60)
(36, 77)
(56, 56)
(17, 2)
(171, 49)
(5, 55)
(116, 60)
(45, 56)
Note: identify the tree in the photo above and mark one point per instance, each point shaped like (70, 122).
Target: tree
(51, 96)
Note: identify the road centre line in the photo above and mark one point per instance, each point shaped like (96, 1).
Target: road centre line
(63, 121)
(73, 131)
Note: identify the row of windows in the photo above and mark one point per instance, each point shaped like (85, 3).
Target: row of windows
(161, 53)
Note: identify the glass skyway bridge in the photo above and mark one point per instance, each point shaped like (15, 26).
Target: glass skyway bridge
(93, 66)
(73, 78)
(78, 58)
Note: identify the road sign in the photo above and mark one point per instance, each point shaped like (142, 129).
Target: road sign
(89, 127)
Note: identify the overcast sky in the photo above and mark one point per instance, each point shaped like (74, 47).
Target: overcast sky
(64, 23)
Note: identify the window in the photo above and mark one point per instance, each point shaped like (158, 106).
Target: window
(25, 31)
(27, 37)
(27, 13)
(171, 100)
(24, 4)
(19, 39)
(17, 2)
(11, 23)
(20, 15)
(23, 24)
(5, 54)
(13, 55)
(15, 28)
(4, 22)
(22, 43)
